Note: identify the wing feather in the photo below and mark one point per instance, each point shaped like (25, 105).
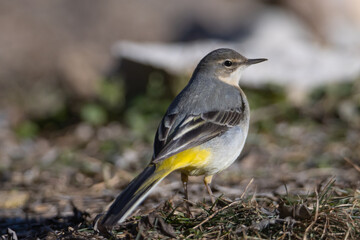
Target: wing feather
(192, 130)
(163, 132)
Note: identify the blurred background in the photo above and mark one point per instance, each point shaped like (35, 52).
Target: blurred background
(84, 84)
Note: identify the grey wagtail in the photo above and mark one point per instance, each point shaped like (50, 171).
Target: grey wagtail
(202, 132)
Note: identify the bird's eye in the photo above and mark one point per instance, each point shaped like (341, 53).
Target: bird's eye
(228, 63)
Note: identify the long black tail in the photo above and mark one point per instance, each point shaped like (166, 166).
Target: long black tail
(132, 195)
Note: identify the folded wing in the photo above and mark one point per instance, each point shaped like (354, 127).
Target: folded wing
(193, 130)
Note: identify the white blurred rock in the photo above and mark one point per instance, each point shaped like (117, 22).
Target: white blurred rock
(296, 59)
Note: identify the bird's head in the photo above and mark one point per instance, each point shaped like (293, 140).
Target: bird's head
(226, 64)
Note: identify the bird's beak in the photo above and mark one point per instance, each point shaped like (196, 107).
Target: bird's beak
(256, 60)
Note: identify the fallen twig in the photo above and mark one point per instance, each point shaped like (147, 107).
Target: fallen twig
(357, 167)
(226, 207)
(316, 216)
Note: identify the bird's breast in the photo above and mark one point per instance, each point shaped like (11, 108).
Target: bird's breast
(222, 152)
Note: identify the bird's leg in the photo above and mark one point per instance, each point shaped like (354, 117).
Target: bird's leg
(185, 179)
(207, 181)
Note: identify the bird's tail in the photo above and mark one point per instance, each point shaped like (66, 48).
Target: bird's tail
(133, 195)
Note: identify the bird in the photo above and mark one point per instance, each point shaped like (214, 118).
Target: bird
(202, 132)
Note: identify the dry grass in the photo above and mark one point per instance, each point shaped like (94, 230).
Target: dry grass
(331, 213)
(296, 147)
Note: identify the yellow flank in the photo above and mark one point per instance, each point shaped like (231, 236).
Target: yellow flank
(194, 158)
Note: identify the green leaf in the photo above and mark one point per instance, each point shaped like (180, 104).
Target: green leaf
(93, 114)
(27, 129)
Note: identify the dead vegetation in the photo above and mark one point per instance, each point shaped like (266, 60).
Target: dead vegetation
(304, 161)
(329, 212)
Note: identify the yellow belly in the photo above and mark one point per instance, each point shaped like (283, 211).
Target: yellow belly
(191, 161)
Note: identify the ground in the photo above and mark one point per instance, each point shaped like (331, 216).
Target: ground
(297, 178)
